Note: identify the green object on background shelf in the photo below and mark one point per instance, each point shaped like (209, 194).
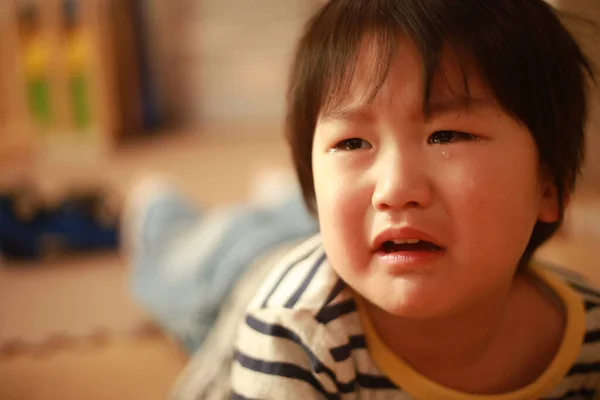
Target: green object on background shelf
(35, 58)
(38, 94)
(76, 37)
(79, 101)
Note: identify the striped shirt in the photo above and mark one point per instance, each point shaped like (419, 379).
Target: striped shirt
(305, 336)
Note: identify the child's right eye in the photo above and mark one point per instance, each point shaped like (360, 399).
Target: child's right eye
(352, 145)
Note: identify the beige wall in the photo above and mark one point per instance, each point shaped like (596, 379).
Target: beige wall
(589, 37)
(225, 60)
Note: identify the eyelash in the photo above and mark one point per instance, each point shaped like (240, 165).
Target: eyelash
(437, 138)
(441, 137)
(346, 145)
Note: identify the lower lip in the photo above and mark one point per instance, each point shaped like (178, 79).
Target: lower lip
(402, 262)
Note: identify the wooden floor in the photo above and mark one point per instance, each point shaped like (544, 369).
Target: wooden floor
(79, 334)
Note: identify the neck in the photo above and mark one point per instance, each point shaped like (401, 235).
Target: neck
(451, 345)
(474, 349)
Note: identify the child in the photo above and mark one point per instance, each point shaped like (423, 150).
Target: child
(438, 142)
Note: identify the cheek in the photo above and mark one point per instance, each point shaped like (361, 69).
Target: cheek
(342, 201)
(343, 204)
(340, 186)
(491, 200)
(511, 186)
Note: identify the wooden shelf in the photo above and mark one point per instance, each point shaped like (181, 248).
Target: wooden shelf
(97, 52)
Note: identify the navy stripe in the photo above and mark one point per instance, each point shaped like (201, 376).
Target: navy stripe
(585, 289)
(335, 311)
(302, 288)
(342, 353)
(337, 289)
(591, 336)
(283, 369)
(287, 271)
(584, 368)
(586, 393)
(284, 333)
(375, 382)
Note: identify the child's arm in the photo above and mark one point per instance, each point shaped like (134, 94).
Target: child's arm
(285, 354)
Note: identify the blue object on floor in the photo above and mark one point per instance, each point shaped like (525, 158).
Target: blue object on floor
(17, 238)
(76, 224)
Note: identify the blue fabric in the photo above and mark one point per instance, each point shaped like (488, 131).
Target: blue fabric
(186, 261)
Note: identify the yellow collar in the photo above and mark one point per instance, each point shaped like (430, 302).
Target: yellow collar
(421, 387)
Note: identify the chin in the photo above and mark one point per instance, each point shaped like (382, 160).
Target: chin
(413, 305)
(413, 312)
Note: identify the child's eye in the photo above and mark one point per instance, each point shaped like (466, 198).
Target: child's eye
(352, 144)
(443, 137)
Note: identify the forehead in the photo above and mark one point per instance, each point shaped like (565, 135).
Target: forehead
(454, 78)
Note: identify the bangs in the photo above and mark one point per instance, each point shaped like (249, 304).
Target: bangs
(364, 41)
(508, 42)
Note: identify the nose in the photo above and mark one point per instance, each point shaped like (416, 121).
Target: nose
(401, 181)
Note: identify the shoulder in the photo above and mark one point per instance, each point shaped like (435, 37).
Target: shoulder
(304, 302)
(286, 353)
(583, 374)
(590, 296)
(300, 330)
(305, 283)
(589, 293)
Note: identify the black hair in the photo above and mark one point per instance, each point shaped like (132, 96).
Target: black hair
(530, 62)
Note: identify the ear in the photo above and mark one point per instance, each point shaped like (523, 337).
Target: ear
(549, 210)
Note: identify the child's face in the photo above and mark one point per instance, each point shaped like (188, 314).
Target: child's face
(466, 179)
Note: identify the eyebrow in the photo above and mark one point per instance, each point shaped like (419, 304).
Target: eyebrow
(436, 108)
(359, 114)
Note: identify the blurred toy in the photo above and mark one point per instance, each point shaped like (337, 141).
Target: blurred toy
(35, 61)
(31, 228)
(78, 50)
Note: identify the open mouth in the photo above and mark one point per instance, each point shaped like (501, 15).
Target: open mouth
(400, 246)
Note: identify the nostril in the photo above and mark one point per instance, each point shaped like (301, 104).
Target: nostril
(382, 206)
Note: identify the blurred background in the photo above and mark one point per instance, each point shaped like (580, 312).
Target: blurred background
(94, 93)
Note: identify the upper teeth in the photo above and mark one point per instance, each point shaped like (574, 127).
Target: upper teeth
(406, 241)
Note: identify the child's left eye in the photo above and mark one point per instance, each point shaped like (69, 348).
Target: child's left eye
(352, 144)
(443, 137)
